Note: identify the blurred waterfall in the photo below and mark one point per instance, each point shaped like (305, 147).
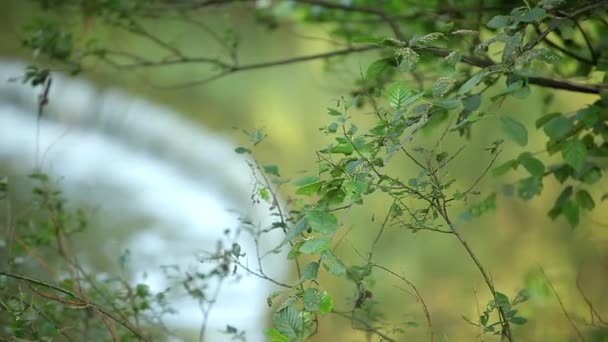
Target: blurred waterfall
(174, 185)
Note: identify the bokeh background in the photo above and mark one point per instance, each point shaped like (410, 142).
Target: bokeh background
(289, 102)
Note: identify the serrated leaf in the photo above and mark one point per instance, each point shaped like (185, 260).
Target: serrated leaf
(322, 222)
(332, 264)
(316, 245)
(575, 153)
(398, 92)
(311, 298)
(532, 164)
(442, 86)
(288, 322)
(514, 130)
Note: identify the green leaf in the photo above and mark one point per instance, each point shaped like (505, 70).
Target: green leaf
(289, 322)
(241, 150)
(532, 164)
(310, 271)
(514, 130)
(472, 82)
(327, 304)
(442, 86)
(295, 231)
(518, 320)
(533, 14)
(529, 187)
(377, 68)
(345, 148)
(309, 189)
(322, 222)
(557, 127)
(575, 153)
(571, 212)
(333, 112)
(593, 175)
(398, 92)
(540, 122)
(311, 298)
(316, 245)
(276, 336)
(505, 167)
(272, 169)
(332, 264)
(502, 301)
(584, 200)
(499, 21)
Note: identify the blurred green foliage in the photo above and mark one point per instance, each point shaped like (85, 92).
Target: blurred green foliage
(444, 167)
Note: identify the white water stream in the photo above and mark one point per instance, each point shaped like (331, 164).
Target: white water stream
(172, 183)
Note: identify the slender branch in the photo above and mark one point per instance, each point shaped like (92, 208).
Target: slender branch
(561, 304)
(418, 297)
(231, 69)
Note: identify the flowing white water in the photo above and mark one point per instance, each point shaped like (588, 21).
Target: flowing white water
(142, 165)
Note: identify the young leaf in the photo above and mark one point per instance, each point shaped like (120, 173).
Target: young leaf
(276, 336)
(514, 130)
(398, 92)
(327, 304)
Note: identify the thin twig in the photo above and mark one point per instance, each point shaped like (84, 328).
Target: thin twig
(561, 304)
